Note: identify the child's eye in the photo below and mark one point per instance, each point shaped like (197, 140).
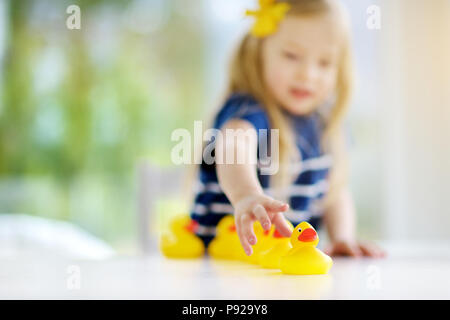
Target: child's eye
(290, 55)
(324, 63)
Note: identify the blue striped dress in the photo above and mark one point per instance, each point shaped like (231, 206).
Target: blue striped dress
(310, 184)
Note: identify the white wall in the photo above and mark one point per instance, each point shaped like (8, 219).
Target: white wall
(414, 115)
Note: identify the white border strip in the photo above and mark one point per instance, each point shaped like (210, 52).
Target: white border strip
(319, 163)
(310, 191)
(206, 231)
(218, 208)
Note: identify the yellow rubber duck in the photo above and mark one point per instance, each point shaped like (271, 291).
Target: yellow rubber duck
(181, 241)
(226, 244)
(271, 258)
(304, 258)
(264, 241)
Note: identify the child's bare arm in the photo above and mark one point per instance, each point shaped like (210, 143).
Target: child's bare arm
(340, 219)
(240, 184)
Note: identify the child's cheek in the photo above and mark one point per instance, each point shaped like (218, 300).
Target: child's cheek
(281, 79)
(329, 86)
(273, 79)
(325, 85)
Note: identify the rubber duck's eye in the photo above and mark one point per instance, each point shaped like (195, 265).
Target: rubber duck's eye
(299, 230)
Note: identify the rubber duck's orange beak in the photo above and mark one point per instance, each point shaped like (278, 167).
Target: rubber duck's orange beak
(192, 226)
(308, 235)
(232, 228)
(276, 234)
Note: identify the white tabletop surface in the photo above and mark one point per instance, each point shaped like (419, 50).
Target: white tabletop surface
(409, 272)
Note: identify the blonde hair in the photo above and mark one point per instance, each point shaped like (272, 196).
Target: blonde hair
(246, 76)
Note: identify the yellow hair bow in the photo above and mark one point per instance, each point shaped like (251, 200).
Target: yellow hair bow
(267, 17)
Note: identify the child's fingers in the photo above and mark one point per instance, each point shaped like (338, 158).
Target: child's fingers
(367, 251)
(282, 225)
(343, 249)
(247, 229)
(275, 205)
(261, 215)
(352, 250)
(380, 253)
(245, 232)
(247, 247)
(371, 250)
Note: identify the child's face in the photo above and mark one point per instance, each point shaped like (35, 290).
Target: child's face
(300, 62)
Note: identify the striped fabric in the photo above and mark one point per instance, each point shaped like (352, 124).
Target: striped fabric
(310, 185)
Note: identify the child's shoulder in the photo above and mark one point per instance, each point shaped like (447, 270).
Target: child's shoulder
(242, 106)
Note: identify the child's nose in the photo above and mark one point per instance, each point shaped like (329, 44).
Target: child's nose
(307, 72)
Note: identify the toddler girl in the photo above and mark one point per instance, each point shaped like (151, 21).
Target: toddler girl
(291, 72)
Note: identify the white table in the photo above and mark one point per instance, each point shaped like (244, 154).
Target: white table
(409, 272)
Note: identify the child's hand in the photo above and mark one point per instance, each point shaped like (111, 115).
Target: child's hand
(264, 209)
(354, 249)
